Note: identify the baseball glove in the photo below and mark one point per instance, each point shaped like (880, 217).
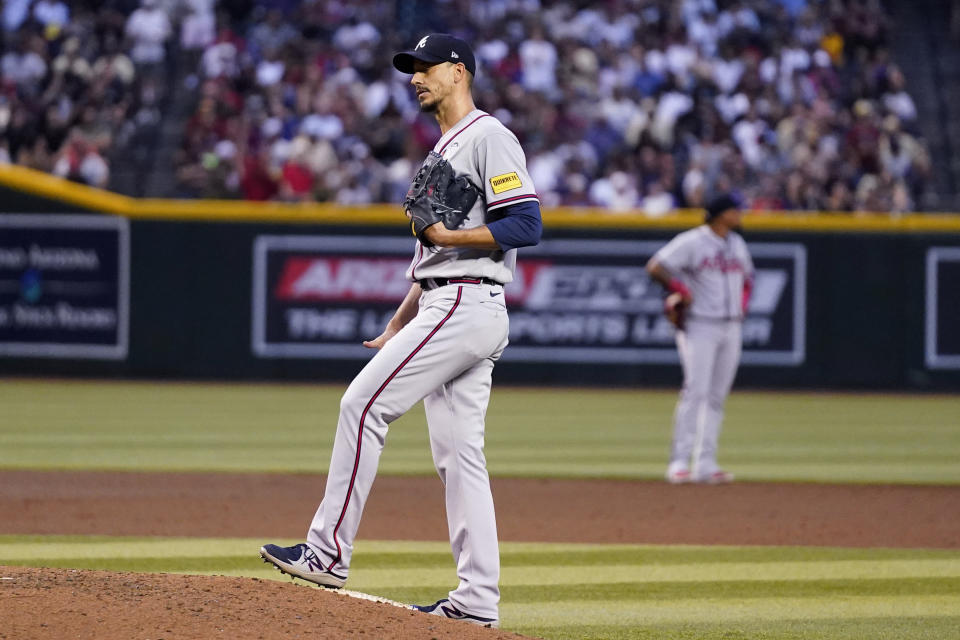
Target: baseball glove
(437, 194)
(675, 307)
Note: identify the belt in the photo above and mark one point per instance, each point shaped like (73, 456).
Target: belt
(432, 283)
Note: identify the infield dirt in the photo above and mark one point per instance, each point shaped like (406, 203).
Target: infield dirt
(58, 603)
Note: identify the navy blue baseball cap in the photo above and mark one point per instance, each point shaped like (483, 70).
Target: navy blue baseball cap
(720, 204)
(434, 49)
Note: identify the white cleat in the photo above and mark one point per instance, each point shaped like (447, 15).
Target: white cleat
(678, 476)
(717, 477)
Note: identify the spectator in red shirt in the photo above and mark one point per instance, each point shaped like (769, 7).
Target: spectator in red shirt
(255, 181)
(296, 182)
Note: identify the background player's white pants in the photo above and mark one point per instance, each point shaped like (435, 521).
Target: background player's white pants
(709, 353)
(444, 356)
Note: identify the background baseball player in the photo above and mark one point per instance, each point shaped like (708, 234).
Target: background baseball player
(443, 341)
(709, 273)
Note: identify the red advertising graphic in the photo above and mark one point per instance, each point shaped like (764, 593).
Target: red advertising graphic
(361, 278)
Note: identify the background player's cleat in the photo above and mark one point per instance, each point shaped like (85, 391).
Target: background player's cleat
(300, 561)
(445, 609)
(717, 477)
(677, 474)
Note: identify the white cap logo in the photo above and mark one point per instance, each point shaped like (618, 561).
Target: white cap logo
(453, 54)
(422, 43)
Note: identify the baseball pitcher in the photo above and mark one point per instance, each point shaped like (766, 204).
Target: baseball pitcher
(470, 206)
(708, 273)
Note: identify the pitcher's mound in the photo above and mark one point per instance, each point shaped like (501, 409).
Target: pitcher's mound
(103, 605)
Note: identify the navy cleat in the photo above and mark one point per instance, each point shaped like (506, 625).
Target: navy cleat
(300, 561)
(445, 609)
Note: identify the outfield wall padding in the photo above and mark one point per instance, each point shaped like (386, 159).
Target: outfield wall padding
(260, 301)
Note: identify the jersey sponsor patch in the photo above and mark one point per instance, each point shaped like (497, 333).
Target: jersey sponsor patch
(505, 182)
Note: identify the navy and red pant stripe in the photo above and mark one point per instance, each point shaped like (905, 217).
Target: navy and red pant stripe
(369, 405)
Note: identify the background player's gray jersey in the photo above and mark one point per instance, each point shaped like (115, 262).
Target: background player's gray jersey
(489, 155)
(714, 269)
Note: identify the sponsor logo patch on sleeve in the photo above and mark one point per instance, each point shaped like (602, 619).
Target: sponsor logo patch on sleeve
(505, 182)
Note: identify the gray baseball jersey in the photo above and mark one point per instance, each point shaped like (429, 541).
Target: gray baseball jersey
(489, 155)
(714, 269)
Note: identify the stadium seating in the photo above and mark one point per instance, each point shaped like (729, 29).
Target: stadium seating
(649, 104)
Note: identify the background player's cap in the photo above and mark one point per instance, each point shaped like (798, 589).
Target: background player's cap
(720, 204)
(436, 48)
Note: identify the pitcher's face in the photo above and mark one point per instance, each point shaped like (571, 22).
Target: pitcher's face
(434, 82)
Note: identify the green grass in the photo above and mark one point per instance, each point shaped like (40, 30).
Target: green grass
(549, 590)
(530, 432)
(604, 591)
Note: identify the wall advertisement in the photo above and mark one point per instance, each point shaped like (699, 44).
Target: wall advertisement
(64, 286)
(573, 301)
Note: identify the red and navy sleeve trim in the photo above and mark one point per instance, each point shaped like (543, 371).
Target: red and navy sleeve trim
(512, 200)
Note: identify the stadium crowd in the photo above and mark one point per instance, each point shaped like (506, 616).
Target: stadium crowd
(79, 78)
(622, 104)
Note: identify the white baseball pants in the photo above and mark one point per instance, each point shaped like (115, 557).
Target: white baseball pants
(709, 354)
(445, 357)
